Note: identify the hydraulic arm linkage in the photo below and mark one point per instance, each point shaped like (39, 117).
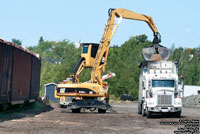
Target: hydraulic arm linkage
(98, 63)
(102, 53)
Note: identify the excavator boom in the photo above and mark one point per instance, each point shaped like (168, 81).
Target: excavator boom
(126, 14)
(102, 53)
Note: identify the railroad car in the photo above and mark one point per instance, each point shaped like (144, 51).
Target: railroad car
(19, 75)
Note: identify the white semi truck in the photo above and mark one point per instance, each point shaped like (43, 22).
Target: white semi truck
(159, 90)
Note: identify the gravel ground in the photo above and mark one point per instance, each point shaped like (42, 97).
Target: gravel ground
(122, 120)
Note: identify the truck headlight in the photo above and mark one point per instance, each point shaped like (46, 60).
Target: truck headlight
(178, 101)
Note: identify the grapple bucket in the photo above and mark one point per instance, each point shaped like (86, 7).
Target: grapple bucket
(148, 53)
(164, 53)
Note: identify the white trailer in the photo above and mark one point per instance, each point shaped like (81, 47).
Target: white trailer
(159, 91)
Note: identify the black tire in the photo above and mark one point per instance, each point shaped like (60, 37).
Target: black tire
(178, 114)
(3, 107)
(101, 111)
(21, 106)
(78, 110)
(149, 114)
(139, 108)
(143, 110)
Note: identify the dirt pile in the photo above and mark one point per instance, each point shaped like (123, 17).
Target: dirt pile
(191, 101)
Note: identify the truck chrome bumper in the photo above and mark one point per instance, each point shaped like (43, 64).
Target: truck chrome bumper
(164, 109)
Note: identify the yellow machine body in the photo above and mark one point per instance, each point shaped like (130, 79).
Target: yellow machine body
(95, 56)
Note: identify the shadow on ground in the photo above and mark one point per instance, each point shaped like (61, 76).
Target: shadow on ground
(28, 111)
(159, 116)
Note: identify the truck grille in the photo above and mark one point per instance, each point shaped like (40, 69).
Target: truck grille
(164, 99)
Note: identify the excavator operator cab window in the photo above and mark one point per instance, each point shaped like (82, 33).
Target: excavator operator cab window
(85, 49)
(94, 50)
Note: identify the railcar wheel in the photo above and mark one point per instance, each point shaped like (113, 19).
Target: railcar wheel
(3, 107)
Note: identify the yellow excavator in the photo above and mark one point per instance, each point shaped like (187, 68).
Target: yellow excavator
(94, 94)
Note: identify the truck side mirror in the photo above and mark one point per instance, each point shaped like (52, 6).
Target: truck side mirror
(176, 93)
(149, 84)
(181, 85)
(181, 79)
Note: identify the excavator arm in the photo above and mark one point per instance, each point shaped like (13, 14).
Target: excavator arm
(78, 68)
(126, 14)
(102, 53)
(101, 56)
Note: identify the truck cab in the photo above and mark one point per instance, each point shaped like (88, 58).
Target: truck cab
(158, 88)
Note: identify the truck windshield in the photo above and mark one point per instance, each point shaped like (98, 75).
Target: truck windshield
(162, 83)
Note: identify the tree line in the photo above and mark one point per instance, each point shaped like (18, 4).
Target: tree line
(59, 58)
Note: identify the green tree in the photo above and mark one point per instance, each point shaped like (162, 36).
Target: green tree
(59, 58)
(41, 40)
(17, 41)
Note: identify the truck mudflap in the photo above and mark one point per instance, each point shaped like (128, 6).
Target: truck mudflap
(89, 104)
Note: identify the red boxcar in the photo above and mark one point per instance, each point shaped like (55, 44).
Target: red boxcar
(19, 74)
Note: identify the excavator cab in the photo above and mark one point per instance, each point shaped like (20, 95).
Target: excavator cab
(89, 51)
(88, 54)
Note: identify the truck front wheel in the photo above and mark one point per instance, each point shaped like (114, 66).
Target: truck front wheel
(139, 108)
(178, 114)
(143, 110)
(149, 114)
